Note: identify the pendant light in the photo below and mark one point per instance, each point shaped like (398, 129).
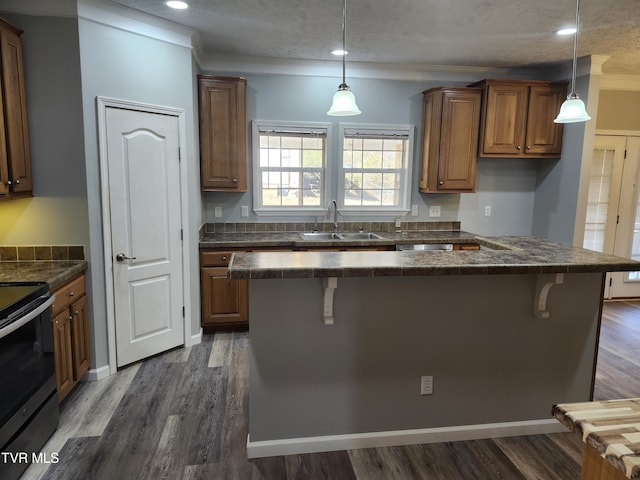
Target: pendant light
(573, 109)
(344, 102)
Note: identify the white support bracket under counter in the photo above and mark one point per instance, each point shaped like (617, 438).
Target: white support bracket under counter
(543, 286)
(329, 286)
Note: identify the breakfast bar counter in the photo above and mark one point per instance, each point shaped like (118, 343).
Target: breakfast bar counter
(364, 348)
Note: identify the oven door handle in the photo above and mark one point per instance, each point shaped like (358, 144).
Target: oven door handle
(12, 327)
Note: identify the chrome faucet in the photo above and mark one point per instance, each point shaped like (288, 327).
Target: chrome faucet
(335, 216)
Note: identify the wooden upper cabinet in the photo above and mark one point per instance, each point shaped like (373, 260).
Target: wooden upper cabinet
(223, 133)
(517, 118)
(450, 122)
(15, 155)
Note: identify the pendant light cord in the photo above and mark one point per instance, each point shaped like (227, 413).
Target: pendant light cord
(344, 43)
(575, 51)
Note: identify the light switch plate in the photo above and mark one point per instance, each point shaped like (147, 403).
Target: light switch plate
(487, 210)
(217, 212)
(414, 210)
(244, 211)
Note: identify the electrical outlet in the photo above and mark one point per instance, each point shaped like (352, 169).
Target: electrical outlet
(244, 211)
(426, 385)
(217, 212)
(398, 222)
(434, 211)
(414, 210)
(487, 210)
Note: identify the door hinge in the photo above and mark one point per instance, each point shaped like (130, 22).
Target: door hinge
(610, 281)
(181, 235)
(183, 311)
(179, 155)
(625, 153)
(617, 219)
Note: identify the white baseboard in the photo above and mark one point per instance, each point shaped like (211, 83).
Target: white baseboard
(96, 374)
(329, 443)
(196, 339)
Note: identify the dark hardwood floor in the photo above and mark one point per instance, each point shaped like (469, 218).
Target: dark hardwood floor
(183, 415)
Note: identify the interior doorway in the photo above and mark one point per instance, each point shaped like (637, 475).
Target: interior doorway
(613, 217)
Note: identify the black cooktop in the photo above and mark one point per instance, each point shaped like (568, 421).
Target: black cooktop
(15, 296)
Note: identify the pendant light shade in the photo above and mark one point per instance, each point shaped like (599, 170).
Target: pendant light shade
(573, 109)
(344, 101)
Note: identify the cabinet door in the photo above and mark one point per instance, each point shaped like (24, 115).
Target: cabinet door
(80, 337)
(223, 300)
(223, 153)
(62, 353)
(544, 137)
(459, 140)
(15, 109)
(504, 119)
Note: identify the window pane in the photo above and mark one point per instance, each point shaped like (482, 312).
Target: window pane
(598, 199)
(312, 158)
(372, 159)
(391, 159)
(291, 168)
(365, 161)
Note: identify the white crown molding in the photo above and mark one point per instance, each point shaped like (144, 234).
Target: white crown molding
(129, 20)
(331, 68)
(45, 8)
(620, 82)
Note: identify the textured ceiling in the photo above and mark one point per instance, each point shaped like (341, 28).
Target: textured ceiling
(479, 33)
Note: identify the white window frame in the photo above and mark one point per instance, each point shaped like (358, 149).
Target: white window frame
(293, 210)
(405, 202)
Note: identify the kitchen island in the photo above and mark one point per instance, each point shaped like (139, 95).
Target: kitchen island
(340, 341)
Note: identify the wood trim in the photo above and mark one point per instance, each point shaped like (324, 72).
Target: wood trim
(595, 467)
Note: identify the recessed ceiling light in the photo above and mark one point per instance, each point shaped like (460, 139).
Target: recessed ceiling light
(340, 52)
(177, 4)
(566, 31)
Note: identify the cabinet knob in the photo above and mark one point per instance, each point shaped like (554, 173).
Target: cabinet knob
(70, 317)
(17, 182)
(440, 183)
(518, 147)
(71, 294)
(235, 180)
(528, 147)
(9, 182)
(224, 258)
(76, 312)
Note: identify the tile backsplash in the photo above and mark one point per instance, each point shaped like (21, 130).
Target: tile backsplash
(41, 252)
(249, 227)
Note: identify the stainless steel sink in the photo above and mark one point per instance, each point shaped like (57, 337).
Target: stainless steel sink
(320, 236)
(359, 236)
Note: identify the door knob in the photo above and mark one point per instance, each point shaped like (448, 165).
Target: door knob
(121, 257)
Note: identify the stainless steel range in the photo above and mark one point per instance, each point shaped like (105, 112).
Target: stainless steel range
(28, 400)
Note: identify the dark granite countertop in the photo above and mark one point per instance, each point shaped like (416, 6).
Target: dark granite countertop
(294, 240)
(509, 255)
(54, 272)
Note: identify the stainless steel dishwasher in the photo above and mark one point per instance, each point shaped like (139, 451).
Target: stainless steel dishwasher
(426, 247)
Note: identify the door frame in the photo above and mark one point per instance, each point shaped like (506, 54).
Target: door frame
(102, 104)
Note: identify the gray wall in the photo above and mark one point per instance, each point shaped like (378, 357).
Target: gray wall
(57, 214)
(492, 360)
(124, 65)
(507, 185)
(558, 182)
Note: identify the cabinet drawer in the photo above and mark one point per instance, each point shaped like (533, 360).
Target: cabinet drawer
(215, 259)
(67, 294)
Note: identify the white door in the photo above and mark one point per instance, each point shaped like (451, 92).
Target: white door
(144, 201)
(613, 218)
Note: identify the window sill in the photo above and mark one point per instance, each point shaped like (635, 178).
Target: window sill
(378, 212)
(273, 212)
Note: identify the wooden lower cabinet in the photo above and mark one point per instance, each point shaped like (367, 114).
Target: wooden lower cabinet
(71, 335)
(224, 302)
